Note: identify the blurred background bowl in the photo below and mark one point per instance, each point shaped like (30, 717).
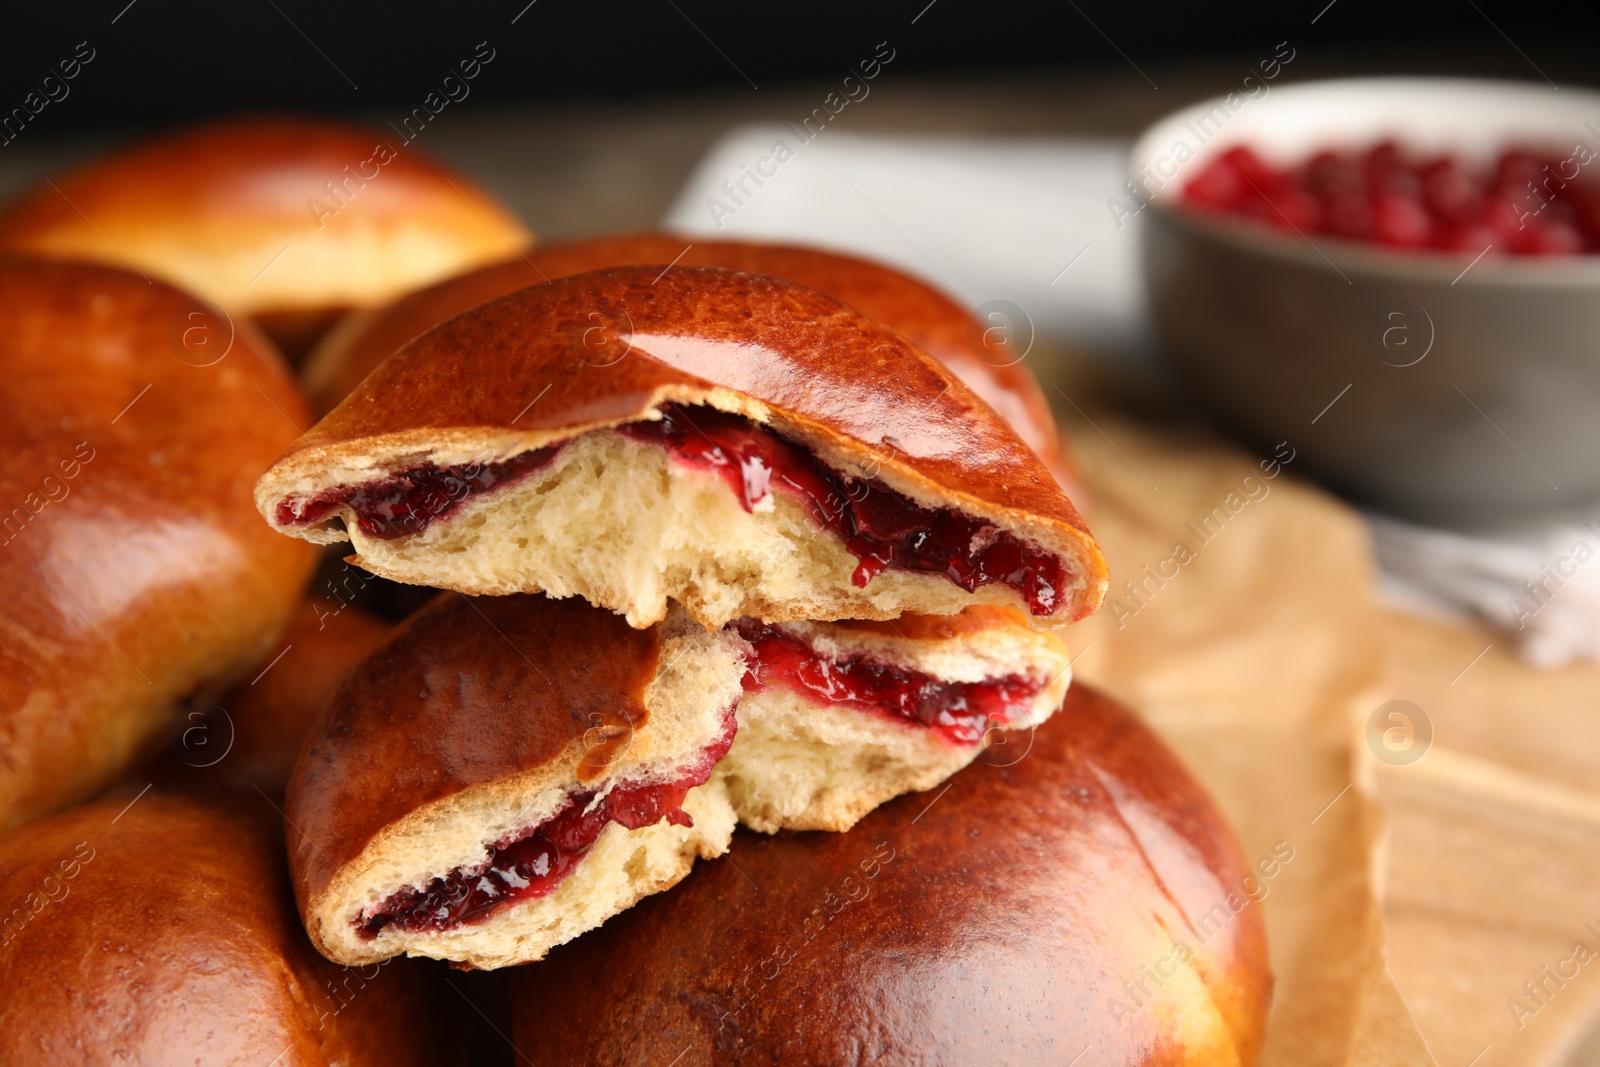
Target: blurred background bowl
(1424, 384)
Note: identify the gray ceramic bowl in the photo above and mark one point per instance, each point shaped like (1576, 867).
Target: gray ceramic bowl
(1411, 382)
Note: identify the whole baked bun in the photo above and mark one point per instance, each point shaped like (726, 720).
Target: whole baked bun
(162, 933)
(501, 775)
(139, 579)
(981, 355)
(739, 444)
(292, 221)
(1079, 900)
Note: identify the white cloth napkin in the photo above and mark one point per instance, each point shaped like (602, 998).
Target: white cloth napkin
(1027, 222)
(1537, 584)
(989, 219)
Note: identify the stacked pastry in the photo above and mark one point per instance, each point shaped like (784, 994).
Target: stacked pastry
(717, 534)
(719, 548)
(767, 561)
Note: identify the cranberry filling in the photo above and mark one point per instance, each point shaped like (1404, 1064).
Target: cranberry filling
(960, 711)
(879, 526)
(1525, 204)
(407, 502)
(535, 862)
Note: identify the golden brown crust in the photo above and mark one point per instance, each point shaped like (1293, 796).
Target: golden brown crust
(996, 924)
(136, 571)
(250, 739)
(164, 934)
(208, 207)
(610, 346)
(271, 715)
(462, 693)
(925, 316)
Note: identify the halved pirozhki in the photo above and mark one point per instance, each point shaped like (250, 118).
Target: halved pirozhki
(742, 445)
(501, 775)
(505, 773)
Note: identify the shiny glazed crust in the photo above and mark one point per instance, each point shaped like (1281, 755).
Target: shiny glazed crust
(996, 924)
(922, 314)
(164, 933)
(595, 350)
(209, 207)
(137, 574)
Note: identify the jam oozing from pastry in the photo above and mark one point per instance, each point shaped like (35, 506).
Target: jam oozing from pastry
(883, 529)
(407, 502)
(961, 712)
(880, 527)
(533, 863)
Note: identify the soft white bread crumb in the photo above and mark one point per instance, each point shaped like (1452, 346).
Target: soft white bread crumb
(616, 521)
(797, 764)
(698, 680)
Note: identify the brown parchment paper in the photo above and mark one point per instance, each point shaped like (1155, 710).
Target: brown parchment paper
(1254, 645)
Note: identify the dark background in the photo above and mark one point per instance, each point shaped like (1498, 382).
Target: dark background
(167, 60)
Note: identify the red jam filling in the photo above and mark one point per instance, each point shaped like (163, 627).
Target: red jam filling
(1525, 204)
(407, 502)
(960, 711)
(879, 526)
(535, 862)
